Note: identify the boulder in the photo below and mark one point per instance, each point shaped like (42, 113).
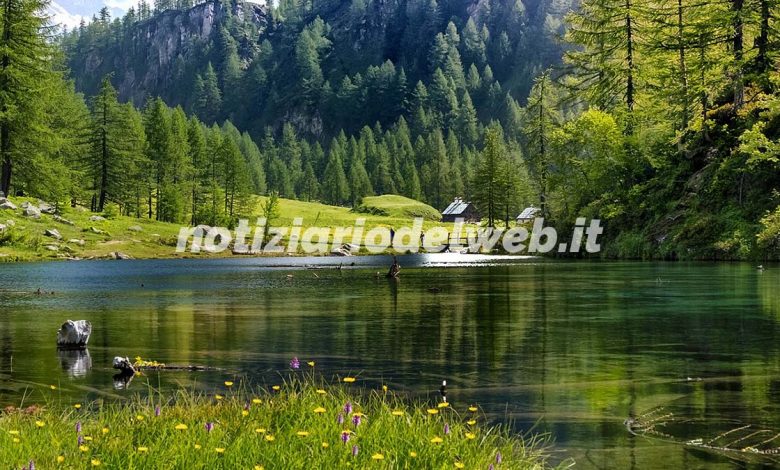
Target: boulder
(6, 204)
(51, 247)
(62, 220)
(96, 230)
(74, 334)
(76, 241)
(97, 218)
(45, 207)
(53, 233)
(135, 228)
(31, 211)
(119, 255)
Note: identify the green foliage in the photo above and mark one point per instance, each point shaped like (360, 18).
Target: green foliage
(397, 206)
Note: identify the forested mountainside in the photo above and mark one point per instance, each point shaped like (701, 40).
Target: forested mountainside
(659, 117)
(323, 65)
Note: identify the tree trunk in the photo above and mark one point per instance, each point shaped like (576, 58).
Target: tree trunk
(630, 65)
(737, 40)
(683, 66)
(5, 131)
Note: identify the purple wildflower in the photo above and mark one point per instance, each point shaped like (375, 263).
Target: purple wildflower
(78, 427)
(295, 363)
(498, 457)
(348, 408)
(80, 440)
(340, 419)
(446, 428)
(31, 466)
(345, 437)
(491, 467)
(157, 410)
(354, 450)
(356, 420)
(209, 426)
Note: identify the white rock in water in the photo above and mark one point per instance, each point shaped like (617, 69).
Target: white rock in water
(123, 364)
(74, 333)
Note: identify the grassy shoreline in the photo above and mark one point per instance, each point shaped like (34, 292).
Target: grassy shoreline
(303, 422)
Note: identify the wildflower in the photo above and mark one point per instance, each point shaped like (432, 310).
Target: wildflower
(259, 467)
(319, 410)
(83, 448)
(470, 435)
(13, 432)
(181, 427)
(432, 411)
(446, 429)
(295, 363)
(325, 445)
(270, 438)
(143, 449)
(321, 391)
(260, 430)
(80, 440)
(53, 387)
(140, 417)
(218, 397)
(78, 427)
(460, 465)
(491, 467)
(397, 413)
(437, 440)
(77, 406)
(95, 462)
(473, 409)
(356, 420)
(209, 426)
(443, 404)
(311, 363)
(157, 411)
(60, 458)
(349, 380)
(413, 454)
(16, 440)
(198, 446)
(344, 436)
(498, 457)
(104, 430)
(244, 413)
(88, 438)
(355, 450)
(384, 388)
(348, 408)
(40, 424)
(276, 388)
(471, 422)
(302, 433)
(220, 450)
(340, 419)
(377, 457)
(228, 383)
(256, 401)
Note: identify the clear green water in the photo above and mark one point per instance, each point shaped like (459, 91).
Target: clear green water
(569, 348)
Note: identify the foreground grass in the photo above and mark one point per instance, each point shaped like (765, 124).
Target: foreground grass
(302, 423)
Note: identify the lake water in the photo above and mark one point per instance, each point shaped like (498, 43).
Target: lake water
(569, 348)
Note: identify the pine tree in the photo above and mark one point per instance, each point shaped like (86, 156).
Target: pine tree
(542, 118)
(335, 189)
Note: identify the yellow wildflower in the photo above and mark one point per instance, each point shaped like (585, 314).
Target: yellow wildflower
(412, 454)
(197, 446)
(220, 450)
(256, 401)
(13, 432)
(321, 391)
(104, 430)
(319, 410)
(384, 388)
(302, 433)
(53, 387)
(443, 404)
(397, 413)
(77, 406)
(260, 430)
(95, 462)
(88, 438)
(218, 397)
(181, 427)
(84, 448)
(228, 383)
(470, 435)
(259, 467)
(140, 417)
(460, 465)
(473, 409)
(16, 440)
(349, 380)
(311, 363)
(378, 457)
(143, 449)
(432, 411)
(270, 438)
(244, 412)
(40, 424)
(60, 458)
(471, 422)
(437, 440)
(276, 388)
(325, 445)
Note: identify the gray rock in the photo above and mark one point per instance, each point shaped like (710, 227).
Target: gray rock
(31, 211)
(76, 241)
(53, 233)
(97, 218)
(52, 247)
(46, 208)
(74, 334)
(3, 228)
(96, 230)
(62, 220)
(119, 255)
(6, 204)
(10, 222)
(135, 228)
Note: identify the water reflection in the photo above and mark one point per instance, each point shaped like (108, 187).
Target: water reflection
(75, 362)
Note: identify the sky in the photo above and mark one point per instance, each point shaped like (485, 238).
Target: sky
(70, 12)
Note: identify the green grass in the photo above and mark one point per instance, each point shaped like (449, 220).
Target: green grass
(398, 206)
(295, 426)
(25, 241)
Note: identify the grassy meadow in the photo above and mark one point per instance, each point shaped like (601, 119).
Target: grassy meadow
(23, 238)
(303, 422)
